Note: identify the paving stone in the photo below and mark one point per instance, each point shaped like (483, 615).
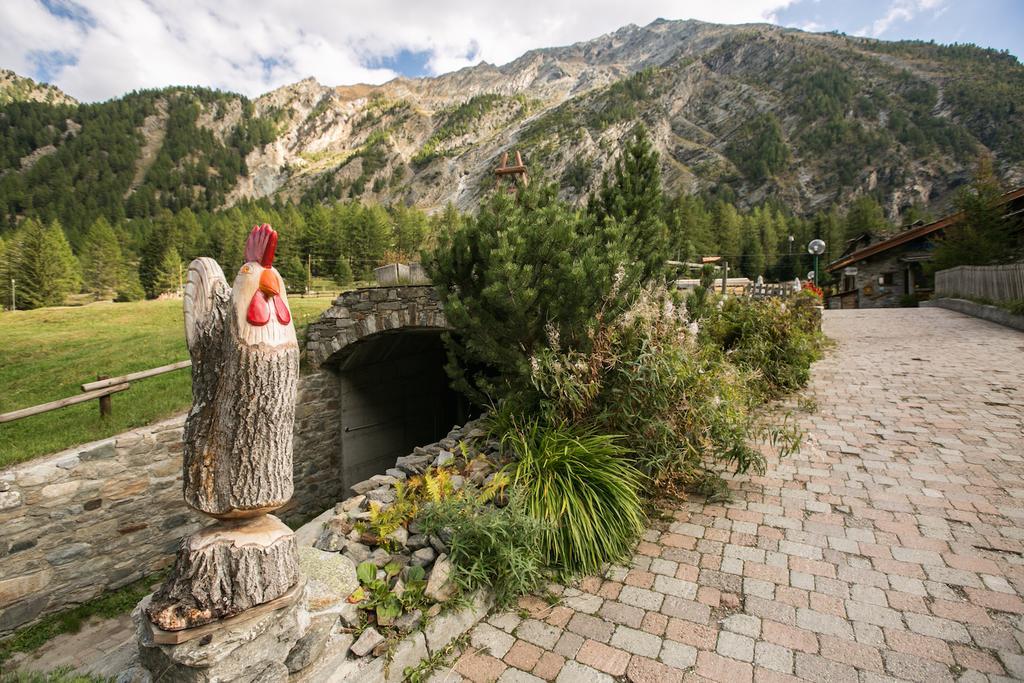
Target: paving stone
(603, 657)
(574, 672)
(591, 627)
(493, 639)
(735, 646)
(537, 632)
(644, 670)
(641, 597)
(678, 655)
(637, 642)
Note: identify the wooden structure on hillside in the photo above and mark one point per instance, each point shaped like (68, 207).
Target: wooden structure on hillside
(517, 174)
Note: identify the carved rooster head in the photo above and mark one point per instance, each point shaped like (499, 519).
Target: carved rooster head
(258, 295)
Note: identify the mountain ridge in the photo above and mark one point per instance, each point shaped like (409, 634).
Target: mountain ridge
(754, 110)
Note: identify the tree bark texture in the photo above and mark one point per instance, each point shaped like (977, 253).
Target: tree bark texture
(224, 570)
(238, 435)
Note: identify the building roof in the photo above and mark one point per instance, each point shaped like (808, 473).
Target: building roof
(910, 235)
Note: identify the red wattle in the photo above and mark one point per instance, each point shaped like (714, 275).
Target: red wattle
(259, 310)
(284, 316)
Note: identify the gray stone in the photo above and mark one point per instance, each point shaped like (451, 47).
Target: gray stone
(399, 536)
(396, 473)
(417, 541)
(408, 622)
(444, 458)
(450, 625)
(384, 494)
(337, 573)
(414, 464)
(367, 641)
(330, 541)
(440, 586)
(310, 646)
(357, 552)
(423, 557)
(353, 503)
(362, 487)
(407, 655)
(68, 553)
(437, 544)
(9, 500)
(100, 452)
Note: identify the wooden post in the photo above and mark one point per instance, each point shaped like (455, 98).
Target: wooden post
(106, 404)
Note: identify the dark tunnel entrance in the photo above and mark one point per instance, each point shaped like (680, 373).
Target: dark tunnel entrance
(394, 396)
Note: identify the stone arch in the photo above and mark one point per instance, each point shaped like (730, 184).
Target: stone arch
(362, 313)
(382, 348)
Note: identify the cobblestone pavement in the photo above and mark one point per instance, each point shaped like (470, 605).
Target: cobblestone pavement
(890, 548)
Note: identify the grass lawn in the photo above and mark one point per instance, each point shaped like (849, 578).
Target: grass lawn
(48, 353)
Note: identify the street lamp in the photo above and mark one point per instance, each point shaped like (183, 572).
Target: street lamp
(792, 265)
(816, 248)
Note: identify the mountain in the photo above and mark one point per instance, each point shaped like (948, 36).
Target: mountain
(15, 88)
(755, 111)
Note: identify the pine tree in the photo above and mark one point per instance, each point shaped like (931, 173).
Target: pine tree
(525, 269)
(169, 272)
(865, 215)
(293, 270)
(342, 271)
(46, 270)
(983, 236)
(129, 288)
(366, 240)
(729, 233)
(631, 196)
(102, 263)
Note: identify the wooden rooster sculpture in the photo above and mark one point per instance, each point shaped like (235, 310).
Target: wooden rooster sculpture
(237, 461)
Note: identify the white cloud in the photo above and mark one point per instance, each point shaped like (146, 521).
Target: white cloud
(252, 46)
(901, 10)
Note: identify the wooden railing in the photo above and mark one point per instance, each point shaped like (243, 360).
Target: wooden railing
(997, 283)
(101, 389)
(763, 290)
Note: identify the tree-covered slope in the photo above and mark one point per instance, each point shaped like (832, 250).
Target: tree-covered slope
(750, 112)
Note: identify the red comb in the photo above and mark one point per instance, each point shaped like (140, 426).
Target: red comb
(261, 245)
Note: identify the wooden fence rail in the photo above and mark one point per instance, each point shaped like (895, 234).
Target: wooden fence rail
(997, 283)
(100, 389)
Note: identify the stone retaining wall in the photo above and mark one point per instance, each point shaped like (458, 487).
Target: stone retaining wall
(984, 311)
(97, 517)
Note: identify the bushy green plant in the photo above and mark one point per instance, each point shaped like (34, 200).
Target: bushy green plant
(492, 547)
(687, 408)
(581, 485)
(773, 338)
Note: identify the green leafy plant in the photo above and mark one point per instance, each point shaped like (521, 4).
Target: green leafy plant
(492, 547)
(580, 484)
(390, 596)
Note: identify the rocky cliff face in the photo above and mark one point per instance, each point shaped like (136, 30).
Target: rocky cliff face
(755, 111)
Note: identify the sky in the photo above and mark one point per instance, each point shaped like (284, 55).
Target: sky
(98, 49)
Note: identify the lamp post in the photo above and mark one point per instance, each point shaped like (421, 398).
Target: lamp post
(792, 265)
(816, 248)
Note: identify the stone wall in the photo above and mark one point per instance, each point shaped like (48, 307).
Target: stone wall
(97, 517)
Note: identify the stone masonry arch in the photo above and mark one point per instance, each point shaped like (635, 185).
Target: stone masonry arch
(381, 347)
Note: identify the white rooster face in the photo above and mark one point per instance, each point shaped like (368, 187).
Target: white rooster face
(258, 294)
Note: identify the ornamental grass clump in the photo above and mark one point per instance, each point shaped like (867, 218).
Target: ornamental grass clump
(583, 489)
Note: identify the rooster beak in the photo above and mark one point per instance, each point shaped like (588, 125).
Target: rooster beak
(268, 283)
